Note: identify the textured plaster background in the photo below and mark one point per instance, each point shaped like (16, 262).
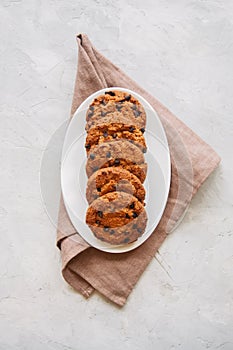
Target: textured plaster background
(182, 51)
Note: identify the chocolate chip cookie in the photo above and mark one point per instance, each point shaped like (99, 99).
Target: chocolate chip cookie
(118, 101)
(113, 179)
(120, 154)
(115, 131)
(117, 218)
(110, 118)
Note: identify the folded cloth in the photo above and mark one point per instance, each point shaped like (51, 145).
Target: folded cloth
(114, 275)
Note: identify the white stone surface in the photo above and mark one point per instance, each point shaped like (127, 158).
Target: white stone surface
(182, 51)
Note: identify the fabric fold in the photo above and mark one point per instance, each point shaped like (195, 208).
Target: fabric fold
(115, 275)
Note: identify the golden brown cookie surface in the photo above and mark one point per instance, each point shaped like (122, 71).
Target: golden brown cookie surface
(113, 179)
(115, 131)
(117, 218)
(117, 101)
(119, 153)
(110, 118)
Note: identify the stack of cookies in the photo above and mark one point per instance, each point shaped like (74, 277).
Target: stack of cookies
(116, 167)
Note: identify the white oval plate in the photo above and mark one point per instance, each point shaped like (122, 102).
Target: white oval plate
(74, 178)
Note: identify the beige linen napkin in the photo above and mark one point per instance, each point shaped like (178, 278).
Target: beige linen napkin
(114, 275)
